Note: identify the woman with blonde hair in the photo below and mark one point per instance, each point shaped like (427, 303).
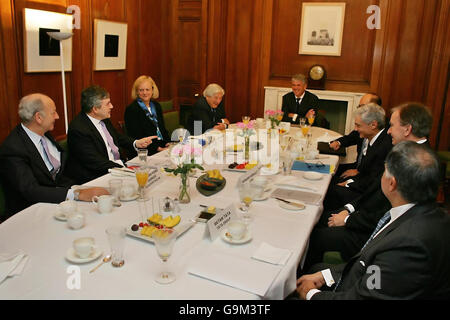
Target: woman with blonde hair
(143, 117)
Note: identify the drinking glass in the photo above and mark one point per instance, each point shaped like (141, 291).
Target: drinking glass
(311, 119)
(246, 195)
(302, 122)
(115, 187)
(246, 119)
(142, 155)
(164, 241)
(116, 237)
(142, 177)
(305, 129)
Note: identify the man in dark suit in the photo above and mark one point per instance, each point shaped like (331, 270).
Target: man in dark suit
(92, 139)
(406, 257)
(351, 139)
(209, 111)
(32, 163)
(299, 103)
(370, 123)
(348, 230)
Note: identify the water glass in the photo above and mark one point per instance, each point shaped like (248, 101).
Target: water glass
(115, 188)
(116, 237)
(142, 155)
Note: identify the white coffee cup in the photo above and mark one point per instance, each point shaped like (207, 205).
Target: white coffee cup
(104, 203)
(67, 207)
(128, 190)
(312, 154)
(83, 246)
(260, 181)
(75, 220)
(236, 229)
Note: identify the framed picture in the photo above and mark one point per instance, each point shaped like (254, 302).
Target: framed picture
(321, 28)
(110, 45)
(42, 53)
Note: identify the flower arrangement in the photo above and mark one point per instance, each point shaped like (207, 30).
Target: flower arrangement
(184, 157)
(275, 117)
(247, 128)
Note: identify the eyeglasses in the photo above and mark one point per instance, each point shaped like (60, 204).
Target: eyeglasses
(319, 164)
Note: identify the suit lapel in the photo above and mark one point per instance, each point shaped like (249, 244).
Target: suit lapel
(95, 132)
(33, 152)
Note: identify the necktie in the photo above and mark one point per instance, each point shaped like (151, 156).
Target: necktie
(297, 101)
(381, 223)
(363, 152)
(114, 149)
(214, 115)
(55, 162)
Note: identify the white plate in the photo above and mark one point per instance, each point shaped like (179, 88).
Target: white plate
(180, 228)
(311, 175)
(246, 238)
(287, 206)
(59, 215)
(133, 197)
(72, 257)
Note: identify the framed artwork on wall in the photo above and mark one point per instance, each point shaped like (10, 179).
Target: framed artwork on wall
(110, 45)
(41, 52)
(322, 27)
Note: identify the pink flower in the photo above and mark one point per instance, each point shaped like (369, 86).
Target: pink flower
(241, 125)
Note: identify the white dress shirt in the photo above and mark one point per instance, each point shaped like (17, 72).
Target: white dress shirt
(98, 126)
(36, 139)
(299, 101)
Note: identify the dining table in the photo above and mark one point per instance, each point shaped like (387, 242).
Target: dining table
(206, 268)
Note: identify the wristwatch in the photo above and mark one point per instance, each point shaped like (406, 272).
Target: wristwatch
(76, 195)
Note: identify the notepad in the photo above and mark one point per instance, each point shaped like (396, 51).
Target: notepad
(305, 197)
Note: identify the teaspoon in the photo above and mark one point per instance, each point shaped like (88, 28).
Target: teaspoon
(105, 259)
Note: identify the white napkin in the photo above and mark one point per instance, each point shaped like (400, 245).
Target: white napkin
(237, 272)
(121, 173)
(270, 254)
(12, 264)
(326, 138)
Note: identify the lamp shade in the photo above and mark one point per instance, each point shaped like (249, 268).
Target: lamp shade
(60, 35)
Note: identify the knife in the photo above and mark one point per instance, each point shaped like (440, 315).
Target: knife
(295, 204)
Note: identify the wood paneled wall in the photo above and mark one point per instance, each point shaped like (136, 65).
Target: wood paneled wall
(244, 46)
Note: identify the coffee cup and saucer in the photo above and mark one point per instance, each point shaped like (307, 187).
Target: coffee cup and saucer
(236, 233)
(83, 250)
(64, 209)
(128, 192)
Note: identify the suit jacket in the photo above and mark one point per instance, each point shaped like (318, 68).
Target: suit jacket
(139, 126)
(88, 158)
(351, 139)
(25, 177)
(412, 257)
(372, 164)
(309, 101)
(202, 112)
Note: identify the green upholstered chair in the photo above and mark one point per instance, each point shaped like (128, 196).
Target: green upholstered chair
(332, 257)
(171, 116)
(63, 144)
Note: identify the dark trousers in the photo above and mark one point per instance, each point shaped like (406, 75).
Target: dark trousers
(338, 196)
(341, 239)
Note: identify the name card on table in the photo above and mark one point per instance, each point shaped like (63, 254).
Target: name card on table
(250, 174)
(218, 223)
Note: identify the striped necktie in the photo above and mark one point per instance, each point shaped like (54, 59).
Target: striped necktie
(381, 223)
(56, 164)
(109, 139)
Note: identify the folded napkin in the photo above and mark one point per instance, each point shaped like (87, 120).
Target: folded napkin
(273, 255)
(302, 166)
(119, 172)
(12, 264)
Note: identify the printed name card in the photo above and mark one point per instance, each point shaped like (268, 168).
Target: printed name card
(218, 224)
(250, 174)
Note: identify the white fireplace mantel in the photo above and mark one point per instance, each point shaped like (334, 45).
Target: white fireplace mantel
(274, 99)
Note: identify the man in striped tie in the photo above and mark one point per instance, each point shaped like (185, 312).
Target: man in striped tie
(33, 164)
(93, 141)
(407, 255)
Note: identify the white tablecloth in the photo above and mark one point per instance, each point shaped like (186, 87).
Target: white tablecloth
(46, 240)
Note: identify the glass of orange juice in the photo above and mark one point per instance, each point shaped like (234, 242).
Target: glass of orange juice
(246, 119)
(311, 119)
(305, 130)
(142, 177)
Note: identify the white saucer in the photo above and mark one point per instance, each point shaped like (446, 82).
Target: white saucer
(72, 257)
(59, 215)
(312, 175)
(264, 196)
(133, 197)
(246, 238)
(287, 206)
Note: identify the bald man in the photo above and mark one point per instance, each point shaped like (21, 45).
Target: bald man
(32, 163)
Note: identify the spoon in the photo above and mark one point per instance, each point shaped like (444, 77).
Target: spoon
(105, 259)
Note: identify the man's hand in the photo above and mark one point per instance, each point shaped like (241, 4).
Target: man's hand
(291, 115)
(162, 149)
(310, 113)
(335, 145)
(308, 282)
(220, 126)
(144, 142)
(349, 173)
(342, 184)
(338, 219)
(88, 194)
(226, 121)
